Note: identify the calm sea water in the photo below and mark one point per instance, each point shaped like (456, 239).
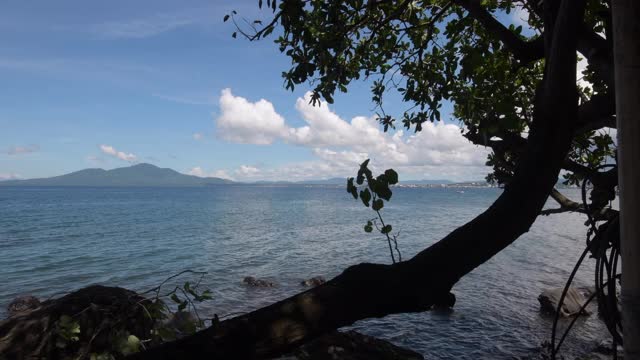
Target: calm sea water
(54, 240)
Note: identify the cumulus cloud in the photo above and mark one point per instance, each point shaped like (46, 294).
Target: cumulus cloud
(248, 171)
(438, 150)
(110, 150)
(196, 171)
(249, 123)
(20, 150)
(200, 172)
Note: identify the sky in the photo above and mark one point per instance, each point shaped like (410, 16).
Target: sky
(111, 84)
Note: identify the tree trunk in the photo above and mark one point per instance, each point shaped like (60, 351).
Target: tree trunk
(373, 290)
(626, 36)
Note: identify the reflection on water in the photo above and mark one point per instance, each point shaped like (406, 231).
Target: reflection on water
(55, 240)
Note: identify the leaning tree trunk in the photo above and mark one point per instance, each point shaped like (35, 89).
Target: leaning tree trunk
(373, 290)
(626, 37)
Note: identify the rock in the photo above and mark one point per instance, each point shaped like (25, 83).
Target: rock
(251, 281)
(22, 304)
(352, 345)
(573, 301)
(444, 302)
(605, 347)
(604, 351)
(313, 282)
(182, 322)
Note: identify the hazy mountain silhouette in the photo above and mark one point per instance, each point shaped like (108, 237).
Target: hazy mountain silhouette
(151, 175)
(136, 175)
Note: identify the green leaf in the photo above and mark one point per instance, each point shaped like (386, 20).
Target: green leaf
(392, 176)
(206, 295)
(352, 189)
(363, 172)
(365, 196)
(368, 228)
(129, 345)
(377, 204)
(226, 17)
(175, 299)
(386, 229)
(384, 192)
(183, 305)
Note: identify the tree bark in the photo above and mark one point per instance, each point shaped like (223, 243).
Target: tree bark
(626, 35)
(373, 290)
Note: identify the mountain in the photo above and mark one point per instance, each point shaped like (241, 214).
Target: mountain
(331, 181)
(425, 182)
(343, 181)
(136, 175)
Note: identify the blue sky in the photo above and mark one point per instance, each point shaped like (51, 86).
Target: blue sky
(109, 84)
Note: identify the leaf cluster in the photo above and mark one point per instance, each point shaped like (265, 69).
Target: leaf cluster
(373, 194)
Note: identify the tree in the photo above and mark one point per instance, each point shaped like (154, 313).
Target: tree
(627, 65)
(503, 84)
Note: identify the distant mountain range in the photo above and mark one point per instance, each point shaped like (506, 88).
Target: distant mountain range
(136, 175)
(151, 175)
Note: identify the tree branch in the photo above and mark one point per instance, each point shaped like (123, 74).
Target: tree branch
(524, 51)
(596, 113)
(568, 205)
(369, 290)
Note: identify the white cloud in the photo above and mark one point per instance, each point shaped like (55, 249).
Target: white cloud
(580, 67)
(9, 176)
(520, 16)
(247, 171)
(339, 146)
(198, 171)
(20, 150)
(110, 150)
(223, 174)
(146, 27)
(198, 136)
(249, 123)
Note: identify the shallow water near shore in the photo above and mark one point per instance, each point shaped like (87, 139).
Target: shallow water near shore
(56, 239)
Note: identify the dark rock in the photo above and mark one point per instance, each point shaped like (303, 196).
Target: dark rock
(251, 281)
(573, 301)
(182, 323)
(604, 351)
(314, 281)
(352, 345)
(444, 302)
(22, 304)
(605, 347)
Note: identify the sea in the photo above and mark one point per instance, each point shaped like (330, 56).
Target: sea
(54, 240)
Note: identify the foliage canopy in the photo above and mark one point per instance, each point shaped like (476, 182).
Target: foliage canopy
(464, 51)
